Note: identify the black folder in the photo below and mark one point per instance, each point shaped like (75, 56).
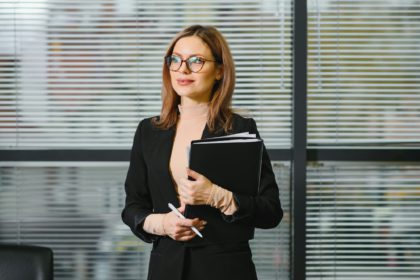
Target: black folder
(233, 163)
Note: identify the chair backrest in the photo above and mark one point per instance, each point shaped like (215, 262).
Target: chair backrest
(25, 262)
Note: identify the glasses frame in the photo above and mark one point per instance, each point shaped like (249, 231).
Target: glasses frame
(168, 62)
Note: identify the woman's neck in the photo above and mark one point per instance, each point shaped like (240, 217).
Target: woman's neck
(187, 101)
(193, 111)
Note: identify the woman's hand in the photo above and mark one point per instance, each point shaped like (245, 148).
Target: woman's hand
(194, 192)
(180, 229)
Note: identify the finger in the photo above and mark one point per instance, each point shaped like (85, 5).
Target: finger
(186, 237)
(181, 231)
(187, 223)
(191, 173)
(183, 201)
(197, 222)
(182, 193)
(184, 188)
(184, 233)
(182, 208)
(189, 233)
(185, 198)
(200, 225)
(186, 183)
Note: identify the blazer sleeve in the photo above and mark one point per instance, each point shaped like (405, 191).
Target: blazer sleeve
(138, 202)
(263, 210)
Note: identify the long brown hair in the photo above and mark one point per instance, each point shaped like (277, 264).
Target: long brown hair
(220, 111)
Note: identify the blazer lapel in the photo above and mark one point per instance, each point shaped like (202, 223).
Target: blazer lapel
(208, 134)
(165, 149)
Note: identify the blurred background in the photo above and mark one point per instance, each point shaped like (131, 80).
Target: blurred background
(77, 76)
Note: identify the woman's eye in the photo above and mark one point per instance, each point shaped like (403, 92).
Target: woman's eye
(175, 59)
(197, 60)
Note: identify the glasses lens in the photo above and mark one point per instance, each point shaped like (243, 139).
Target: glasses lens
(195, 63)
(174, 62)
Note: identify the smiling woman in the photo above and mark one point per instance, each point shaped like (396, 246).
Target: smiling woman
(193, 81)
(218, 67)
(198, 83)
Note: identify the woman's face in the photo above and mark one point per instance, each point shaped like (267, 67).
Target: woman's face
(194, 87)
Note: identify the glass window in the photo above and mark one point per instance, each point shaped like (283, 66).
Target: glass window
(75, 208)
(81, 74)
(363, 73)
(363, 220)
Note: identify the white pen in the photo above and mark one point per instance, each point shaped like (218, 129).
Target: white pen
(179, 214)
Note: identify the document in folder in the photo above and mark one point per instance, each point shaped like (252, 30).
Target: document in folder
(232, 162)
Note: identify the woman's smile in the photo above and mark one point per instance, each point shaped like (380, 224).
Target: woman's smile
(184, 82)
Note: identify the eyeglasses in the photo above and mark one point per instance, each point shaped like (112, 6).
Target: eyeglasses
(194, 63)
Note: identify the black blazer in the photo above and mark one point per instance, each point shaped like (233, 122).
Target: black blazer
(149, 186)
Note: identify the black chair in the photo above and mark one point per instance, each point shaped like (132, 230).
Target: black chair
(24, 262)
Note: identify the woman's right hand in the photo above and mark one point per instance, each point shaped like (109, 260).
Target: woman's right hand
(180, 229)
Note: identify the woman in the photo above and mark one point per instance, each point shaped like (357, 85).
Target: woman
(198, 83)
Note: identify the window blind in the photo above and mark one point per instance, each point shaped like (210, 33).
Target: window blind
(363, 72)
(363, 220)
(75, 209)
(81, 74)
(271, 248)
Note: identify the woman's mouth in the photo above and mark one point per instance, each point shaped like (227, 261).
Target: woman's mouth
(184, 82)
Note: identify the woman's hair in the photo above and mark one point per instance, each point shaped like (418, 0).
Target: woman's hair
(220, 112)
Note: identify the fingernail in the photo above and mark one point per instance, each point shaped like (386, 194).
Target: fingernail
(204, 222)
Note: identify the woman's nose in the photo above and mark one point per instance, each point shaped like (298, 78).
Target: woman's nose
(184, 68)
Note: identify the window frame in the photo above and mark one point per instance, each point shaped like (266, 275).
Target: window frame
(299, 154)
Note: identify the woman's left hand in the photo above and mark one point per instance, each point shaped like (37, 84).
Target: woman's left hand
(194, 192)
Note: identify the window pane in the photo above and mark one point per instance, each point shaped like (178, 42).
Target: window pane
(271, 248)
(363, 220)
(81, 74)
(363, 72)
(75, 208)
